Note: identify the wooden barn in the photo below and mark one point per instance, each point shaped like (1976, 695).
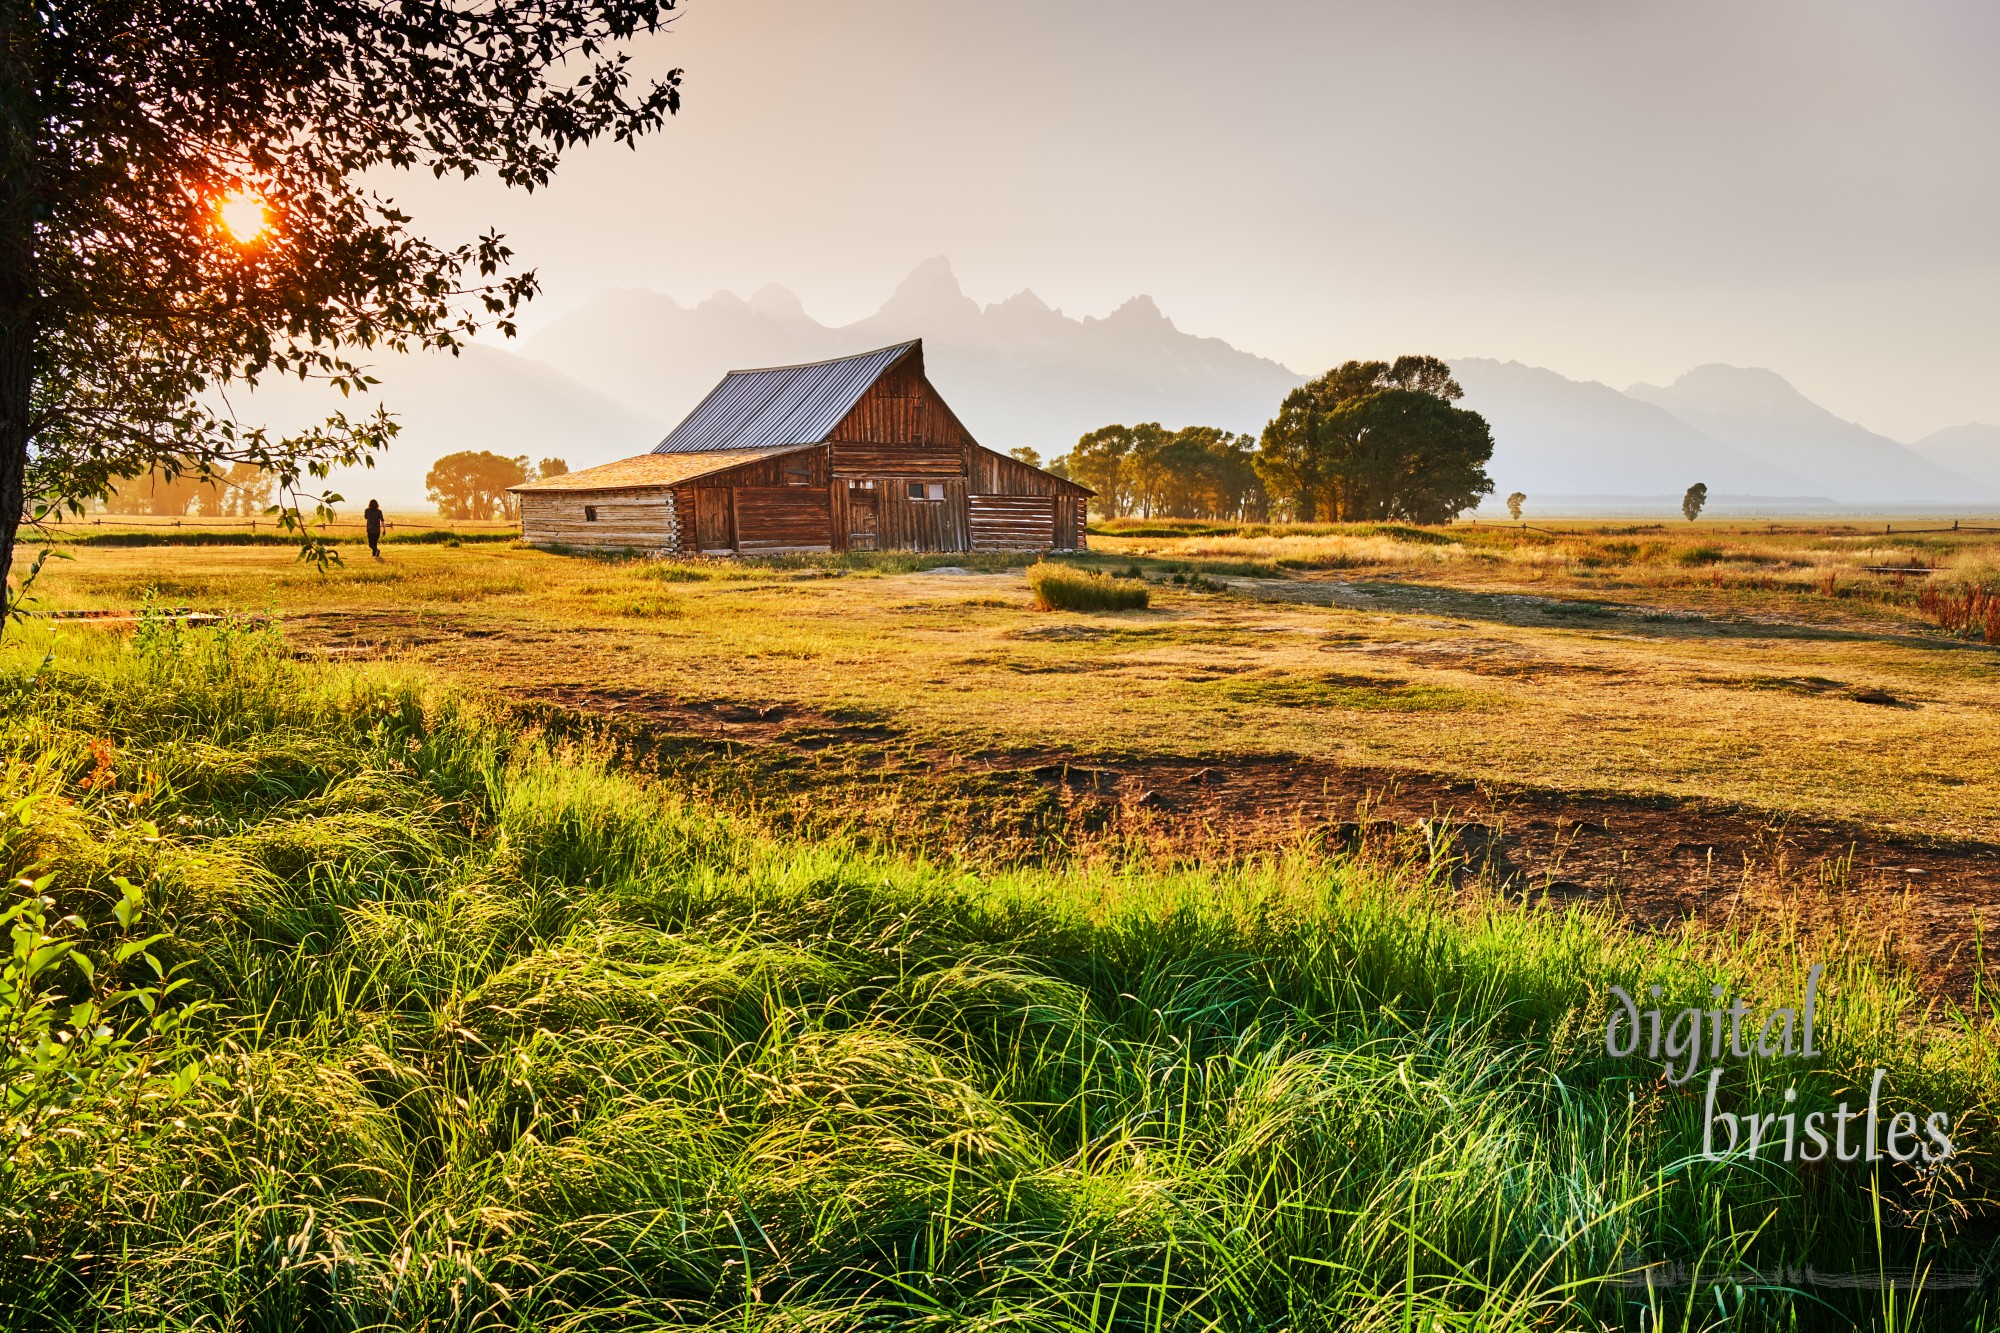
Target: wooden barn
(856, 454)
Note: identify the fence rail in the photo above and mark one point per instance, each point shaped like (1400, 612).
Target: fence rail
(253, 524)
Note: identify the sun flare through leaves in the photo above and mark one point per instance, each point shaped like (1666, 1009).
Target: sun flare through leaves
(244, 215)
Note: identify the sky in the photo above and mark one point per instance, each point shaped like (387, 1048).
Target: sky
(1616, 191)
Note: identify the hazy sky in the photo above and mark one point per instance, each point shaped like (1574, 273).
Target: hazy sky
(1618, 191)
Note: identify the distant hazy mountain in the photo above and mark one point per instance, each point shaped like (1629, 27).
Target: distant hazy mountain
(1972, 450)
(608, 380)
(1759, 413)
(1557, 436)
(1017, 372)
(482, 399)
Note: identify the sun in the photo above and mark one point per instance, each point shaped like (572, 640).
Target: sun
(245, 215)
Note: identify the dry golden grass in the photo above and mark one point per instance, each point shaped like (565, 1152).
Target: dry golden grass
(1563, 663)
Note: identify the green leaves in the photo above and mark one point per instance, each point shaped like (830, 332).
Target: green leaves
(80, 1075)
(1375, 440)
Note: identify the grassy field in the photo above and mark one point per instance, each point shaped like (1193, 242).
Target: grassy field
(1771, 668)
(479, 1026)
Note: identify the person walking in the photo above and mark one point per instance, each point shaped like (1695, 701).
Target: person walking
(372, 516)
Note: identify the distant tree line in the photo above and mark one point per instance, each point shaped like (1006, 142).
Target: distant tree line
(472, 484)
(1368, 440)
(1153, 472)
(237, 490)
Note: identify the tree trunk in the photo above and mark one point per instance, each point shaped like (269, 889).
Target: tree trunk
(18, 135)
(17, 380)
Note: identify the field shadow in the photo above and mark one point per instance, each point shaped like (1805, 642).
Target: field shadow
(1528, 611)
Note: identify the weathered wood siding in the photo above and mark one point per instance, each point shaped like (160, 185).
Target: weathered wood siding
(1072, 523)
(903, 524)
(997, 474)
(773, 504)
(1015, 507)
(901, 428)
(644, 520)
(782, 518)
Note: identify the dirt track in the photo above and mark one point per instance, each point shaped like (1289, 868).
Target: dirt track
(1659, 860)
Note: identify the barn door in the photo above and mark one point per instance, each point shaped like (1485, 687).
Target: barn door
(863, 518)
(713, 530)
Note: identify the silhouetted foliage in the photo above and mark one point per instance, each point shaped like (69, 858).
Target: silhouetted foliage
(241, 490)
(1196, 472)
(473, 485)
(1514, 503)
(182, 206)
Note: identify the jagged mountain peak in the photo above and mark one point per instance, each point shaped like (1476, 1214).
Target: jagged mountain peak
(779, 302)
(931, 292)
(723, 300)
(1138, 311)
(1024, 300)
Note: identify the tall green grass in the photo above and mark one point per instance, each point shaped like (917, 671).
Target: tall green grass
(495, 1036)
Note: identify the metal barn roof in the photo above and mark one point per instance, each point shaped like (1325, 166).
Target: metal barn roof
(762, 409)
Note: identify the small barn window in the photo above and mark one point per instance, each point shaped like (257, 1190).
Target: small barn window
(798, 471)
(926, 490)
(590, 513)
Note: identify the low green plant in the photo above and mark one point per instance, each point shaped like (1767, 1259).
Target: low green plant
(92, 1066)
(1063, 588)
(1366, 693)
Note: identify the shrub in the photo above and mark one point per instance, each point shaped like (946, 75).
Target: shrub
(1973, 612)
(669, 573)
(1060, 588)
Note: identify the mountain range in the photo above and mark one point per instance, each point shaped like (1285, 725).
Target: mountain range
(611, 377)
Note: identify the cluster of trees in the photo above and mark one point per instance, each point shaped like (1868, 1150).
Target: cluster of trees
(1196, 472)
(1368, 440)
(473, 484)
(239, 490)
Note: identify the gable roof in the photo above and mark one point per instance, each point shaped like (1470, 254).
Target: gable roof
(761, 409)
(649, 470)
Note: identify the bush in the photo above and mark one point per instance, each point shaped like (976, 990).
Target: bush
(1698, 555)
(1060, 588)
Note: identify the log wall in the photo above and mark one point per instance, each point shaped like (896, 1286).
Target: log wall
(1015, 507)
(645, 520)
(1013, 522)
